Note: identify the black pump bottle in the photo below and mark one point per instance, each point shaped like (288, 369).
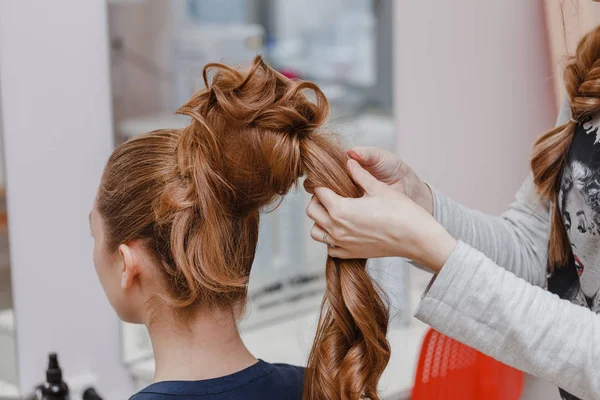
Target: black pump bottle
(54, 388)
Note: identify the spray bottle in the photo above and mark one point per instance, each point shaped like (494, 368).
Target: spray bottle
(54, 388)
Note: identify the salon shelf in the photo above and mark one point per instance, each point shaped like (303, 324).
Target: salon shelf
(290, 341)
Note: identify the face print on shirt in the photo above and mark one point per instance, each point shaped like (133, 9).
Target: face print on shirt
(579, 201)
(582, 226)
(591, 127)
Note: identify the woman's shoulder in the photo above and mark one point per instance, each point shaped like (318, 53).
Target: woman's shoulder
(260, 381)
(289, 373)
(284, 382)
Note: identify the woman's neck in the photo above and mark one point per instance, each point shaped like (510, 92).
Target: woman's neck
(210, 348)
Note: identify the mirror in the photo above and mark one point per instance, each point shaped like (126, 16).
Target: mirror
(8, 366)
(158, 50)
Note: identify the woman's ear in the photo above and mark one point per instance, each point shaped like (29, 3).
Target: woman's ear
(129, 266)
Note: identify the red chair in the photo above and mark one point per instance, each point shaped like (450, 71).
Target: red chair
(450, 370)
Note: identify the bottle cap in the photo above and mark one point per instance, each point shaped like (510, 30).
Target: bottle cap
(53, 373)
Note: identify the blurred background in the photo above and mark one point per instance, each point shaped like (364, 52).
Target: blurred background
(459, 90)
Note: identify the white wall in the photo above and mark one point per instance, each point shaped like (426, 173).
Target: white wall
(473, 89)
(58, 135)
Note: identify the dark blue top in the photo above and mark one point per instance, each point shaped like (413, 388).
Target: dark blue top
(259, 381)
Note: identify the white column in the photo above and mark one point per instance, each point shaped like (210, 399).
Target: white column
(473, 89)
(55, 94)
(568, 22)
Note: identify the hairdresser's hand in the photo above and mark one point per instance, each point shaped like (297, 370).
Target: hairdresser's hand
(382, 223)
(389, 169)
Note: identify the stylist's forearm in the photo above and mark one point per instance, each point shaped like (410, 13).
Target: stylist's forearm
(436, 248)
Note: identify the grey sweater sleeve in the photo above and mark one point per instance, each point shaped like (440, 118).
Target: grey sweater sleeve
(518, 239)
(476, 300)
(492, 310)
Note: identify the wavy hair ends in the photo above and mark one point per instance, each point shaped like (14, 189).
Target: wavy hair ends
(350, 350)
(550, 153)
(193, 197)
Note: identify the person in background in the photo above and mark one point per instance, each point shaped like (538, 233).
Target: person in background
(489, 271)
(175, 226)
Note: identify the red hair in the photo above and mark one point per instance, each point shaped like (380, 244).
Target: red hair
(194, 196)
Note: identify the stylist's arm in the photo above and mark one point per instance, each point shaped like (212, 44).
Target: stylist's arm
(472, 299)
(383, 223)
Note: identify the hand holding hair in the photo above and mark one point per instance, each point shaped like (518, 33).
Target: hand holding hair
(388, 168)
(382, 223)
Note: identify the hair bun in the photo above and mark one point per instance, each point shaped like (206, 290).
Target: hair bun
(259, 112)
(265, 99)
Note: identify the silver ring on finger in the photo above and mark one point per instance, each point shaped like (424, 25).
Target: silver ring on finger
(326, 242)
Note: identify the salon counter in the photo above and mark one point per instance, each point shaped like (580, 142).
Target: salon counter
(290, 342)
